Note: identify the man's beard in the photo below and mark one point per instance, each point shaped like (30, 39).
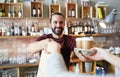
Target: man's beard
(57, 30)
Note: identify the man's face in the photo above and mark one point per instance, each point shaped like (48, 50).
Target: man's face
(57, 24)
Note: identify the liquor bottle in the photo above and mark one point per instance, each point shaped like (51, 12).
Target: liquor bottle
(69, 28)
(34, 11)
(14, 12)
(16, 30)
(85, 28)
(73, 12)
(20, 12)
(19, 31)
(66, 29)
(0, 11)
(3, 11)
(69, 13)
(12, 29)
(9, 11)
(39, 11)
(52, 11)
(8, 31)
(4, 29)
(33, 27)
(80, 27)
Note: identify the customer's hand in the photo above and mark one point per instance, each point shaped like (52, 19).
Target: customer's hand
(100, 54)
(82, 57)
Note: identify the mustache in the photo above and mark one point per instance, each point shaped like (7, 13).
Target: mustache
(58, 28)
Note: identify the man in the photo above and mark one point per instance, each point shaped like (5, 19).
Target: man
(54, 60)
(57, 23)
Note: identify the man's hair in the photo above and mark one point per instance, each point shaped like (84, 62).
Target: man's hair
(56, 13)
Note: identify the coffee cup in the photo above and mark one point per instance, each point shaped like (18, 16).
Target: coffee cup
(87, 42)
(78, 42)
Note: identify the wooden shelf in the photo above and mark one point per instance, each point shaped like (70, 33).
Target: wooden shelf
(86, 12)
(36, 5)
(17, 65)
(80, 35)
(74, 60)
(10, 6)
(71, 10)
(54, 8)
(95, 35)
(5, 37)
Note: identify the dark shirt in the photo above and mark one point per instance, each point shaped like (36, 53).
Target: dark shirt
(67, 45)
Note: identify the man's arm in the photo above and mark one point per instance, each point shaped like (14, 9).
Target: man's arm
(37, 46)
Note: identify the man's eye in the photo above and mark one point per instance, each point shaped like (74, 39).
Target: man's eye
(55, 22)
(61, 22)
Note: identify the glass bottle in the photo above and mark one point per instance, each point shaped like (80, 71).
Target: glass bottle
(39, 11)
(3, 11)
(34, 11)
(8, 31)
(52, 11)
(73, 12)
(4, 29)
(69, 13)
(9, 11)
(14, 12)
(20, 12)
(12, 29)
(33, 27)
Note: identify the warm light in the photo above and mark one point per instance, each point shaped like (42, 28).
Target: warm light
(109, 19)
(102, 24)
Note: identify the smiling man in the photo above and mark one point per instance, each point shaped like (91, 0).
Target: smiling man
(57, 23)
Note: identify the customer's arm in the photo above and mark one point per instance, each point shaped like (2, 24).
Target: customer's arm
(54, 65)
(104, 54)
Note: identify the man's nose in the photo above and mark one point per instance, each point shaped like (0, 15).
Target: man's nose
(58, 24)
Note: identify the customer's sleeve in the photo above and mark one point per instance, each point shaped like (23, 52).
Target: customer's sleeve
(56, 67)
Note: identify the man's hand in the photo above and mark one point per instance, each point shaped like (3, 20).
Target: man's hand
(52, 47)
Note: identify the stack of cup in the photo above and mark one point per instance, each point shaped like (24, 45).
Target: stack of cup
(85, 43)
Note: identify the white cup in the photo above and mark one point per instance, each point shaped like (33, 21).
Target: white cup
(88, 66)
(117, 71)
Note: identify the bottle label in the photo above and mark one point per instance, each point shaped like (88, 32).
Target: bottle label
(19, 14)
(34, 12)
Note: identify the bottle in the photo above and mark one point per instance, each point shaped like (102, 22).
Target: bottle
(3, 11)
(34, 11)
(66, 29)
(12, 29)
(80, 27)
(69, 28)
(8, 31)
(16, 29)
(52, 11)
(14, 12)
(33, 27)
(39, 11)
(20, 12)
(69, 13)
(4, 29)
(9, 11)
(0, 11)
(73, 12)
(19, 31)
